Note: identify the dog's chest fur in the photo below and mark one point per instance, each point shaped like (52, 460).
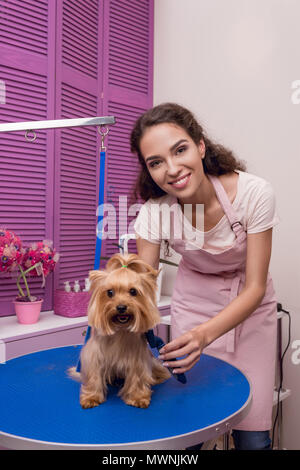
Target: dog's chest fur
(124, 352)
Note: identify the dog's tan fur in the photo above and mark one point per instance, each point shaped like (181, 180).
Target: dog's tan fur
(116, 349)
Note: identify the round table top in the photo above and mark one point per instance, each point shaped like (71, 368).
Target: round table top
(40, 409)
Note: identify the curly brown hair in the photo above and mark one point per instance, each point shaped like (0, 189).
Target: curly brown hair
(218, 160)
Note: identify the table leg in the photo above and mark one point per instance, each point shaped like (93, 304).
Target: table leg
(226, 440)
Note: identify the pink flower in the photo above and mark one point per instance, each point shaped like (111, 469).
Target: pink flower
(40, 252)
(40, 257)
(11, 251)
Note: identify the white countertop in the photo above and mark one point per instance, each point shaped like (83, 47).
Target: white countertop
(10, 328)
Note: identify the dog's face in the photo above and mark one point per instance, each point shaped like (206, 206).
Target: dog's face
(123, 296)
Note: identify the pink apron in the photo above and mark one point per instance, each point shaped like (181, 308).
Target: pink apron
(205, 284)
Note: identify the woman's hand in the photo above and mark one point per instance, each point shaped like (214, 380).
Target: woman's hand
(190, 345)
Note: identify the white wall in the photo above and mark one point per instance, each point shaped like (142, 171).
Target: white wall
(233, 63)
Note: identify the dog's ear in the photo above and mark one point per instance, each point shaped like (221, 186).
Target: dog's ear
(97, 275)
(150, 276)
(142, 267)
(150, 271)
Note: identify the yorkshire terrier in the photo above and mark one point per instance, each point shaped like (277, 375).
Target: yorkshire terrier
(121, 310)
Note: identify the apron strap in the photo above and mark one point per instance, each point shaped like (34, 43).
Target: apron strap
(231, 335)
(235, 224)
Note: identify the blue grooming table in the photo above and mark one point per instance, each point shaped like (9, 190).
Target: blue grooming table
(39, 407)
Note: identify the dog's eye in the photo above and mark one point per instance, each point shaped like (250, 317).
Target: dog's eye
(133, 291)
(110, 293)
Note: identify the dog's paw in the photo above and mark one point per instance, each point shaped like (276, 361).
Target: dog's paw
(140, 402)
(90, 402)
(73, 374)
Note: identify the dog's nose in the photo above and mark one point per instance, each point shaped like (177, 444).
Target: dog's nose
(122, 308)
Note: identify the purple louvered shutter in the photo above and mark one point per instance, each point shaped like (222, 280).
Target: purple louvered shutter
(128, 91)
(27, 46)
(55, 64)
(79, 86)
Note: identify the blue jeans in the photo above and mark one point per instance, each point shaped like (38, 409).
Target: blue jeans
(247, 440)
(251, 440)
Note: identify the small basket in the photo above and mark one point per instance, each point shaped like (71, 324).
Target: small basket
(71, 304)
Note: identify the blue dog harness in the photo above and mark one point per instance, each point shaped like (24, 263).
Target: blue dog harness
(157, 342)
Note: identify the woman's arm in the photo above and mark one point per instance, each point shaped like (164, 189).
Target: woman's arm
(148, 252)
(259, 246)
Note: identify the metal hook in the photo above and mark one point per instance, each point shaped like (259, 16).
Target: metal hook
(28, 138)
(103, 135)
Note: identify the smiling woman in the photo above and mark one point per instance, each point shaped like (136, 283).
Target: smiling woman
(223, 299)
(179, 167)
(217, 160)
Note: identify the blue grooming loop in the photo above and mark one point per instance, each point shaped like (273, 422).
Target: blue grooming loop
(100, 208)
(99, 231)
(39, 407)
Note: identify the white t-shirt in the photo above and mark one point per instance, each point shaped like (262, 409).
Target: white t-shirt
(254, 204)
